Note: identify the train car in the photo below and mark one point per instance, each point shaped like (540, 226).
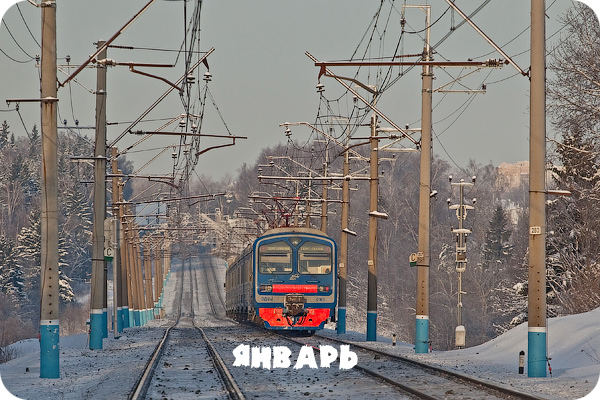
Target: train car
(285, 280)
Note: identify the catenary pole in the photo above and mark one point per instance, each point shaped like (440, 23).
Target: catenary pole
(422, 310)
(125, 286)
(372, 261)
(125, 264)
(537, 330)
(324, 194)
(98, 323)
(147, 261)
(140, 274)
(118, 280)
(343, 266)
(49, 311)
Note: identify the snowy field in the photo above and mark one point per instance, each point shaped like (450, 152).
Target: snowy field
(574, 346)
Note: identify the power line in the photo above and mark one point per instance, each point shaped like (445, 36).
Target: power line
(15, 40)
(14, 59)
(27, 26)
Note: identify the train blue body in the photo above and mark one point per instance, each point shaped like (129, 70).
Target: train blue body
(286, 280)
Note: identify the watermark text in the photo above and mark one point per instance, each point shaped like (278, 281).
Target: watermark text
(280, 357)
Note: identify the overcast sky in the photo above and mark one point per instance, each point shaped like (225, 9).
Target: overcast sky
(261, 76)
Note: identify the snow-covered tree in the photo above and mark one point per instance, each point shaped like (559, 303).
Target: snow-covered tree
(574, 222)
(4, 134)
(76, 233)
(11, 273)
(497, 247)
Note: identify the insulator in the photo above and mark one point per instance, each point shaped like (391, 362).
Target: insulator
(320, 88)
(207, 76)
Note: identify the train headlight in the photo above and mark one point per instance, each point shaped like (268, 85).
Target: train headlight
(265, 288)
(323, 288)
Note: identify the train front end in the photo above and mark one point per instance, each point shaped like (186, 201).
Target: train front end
(295, 274)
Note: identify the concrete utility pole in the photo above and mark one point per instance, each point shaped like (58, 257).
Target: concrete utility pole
(134, 292)
(49, 317)
(147, 260)
(308, 208)
(118, 281)
(125, 265)
(537, 351)
(157, 277)
(324, 194)
(422, 310)
(343, 266)
(372, 260)
(140, 272)
(98, 319)
(461, 252)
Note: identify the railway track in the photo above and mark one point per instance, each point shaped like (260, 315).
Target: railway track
(185, 364)
(192, 361)
(421, 380)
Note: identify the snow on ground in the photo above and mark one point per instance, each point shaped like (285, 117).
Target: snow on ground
(574, 349)
(574, 344)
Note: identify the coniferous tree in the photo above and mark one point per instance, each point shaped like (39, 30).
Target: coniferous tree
(4, 134)
(29, 252)
(76, 232)
(497, 247)
(11, 273)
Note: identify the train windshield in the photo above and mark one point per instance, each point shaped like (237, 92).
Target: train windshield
(275, 258)
(314, 259)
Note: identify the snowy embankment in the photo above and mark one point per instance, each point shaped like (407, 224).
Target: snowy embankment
(574, 349)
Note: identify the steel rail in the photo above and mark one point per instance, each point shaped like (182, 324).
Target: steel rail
(230, 385)
(441, 371)
(143, 382)
(370, 372)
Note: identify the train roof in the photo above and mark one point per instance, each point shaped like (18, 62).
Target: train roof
(312, 231)
(276, 231)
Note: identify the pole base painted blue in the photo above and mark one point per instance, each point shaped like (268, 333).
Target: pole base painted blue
(136, 318)
(96, 335)
(131, 322)
(49, 351)
(119, 320)
(422, 335)
(341, 321)
(536, 354)
(125, 317)
(371, 326)
(105, 323)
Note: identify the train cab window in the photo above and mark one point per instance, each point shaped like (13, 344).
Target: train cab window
(314, 259)
(275, 258)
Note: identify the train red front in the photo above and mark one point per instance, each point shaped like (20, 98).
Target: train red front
(286, 280)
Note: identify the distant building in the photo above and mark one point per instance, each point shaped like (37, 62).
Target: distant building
(514, 175)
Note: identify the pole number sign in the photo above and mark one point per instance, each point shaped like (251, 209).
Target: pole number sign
(535, 230)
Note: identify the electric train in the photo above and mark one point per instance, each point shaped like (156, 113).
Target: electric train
(285, 280)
